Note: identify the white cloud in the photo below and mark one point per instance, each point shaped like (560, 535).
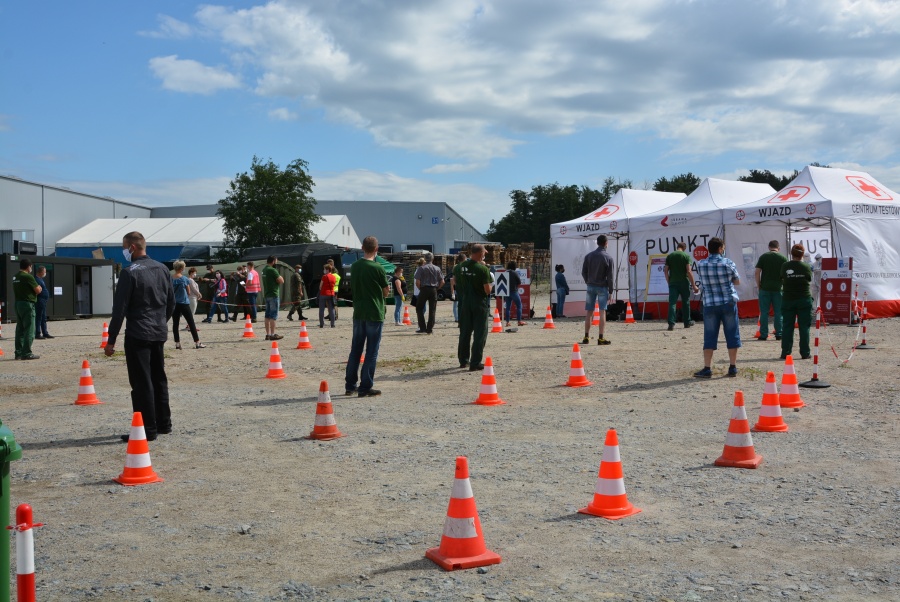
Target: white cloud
(454, 167)
(468, 80)
(185, 75)
(282, 114)
(169, 29)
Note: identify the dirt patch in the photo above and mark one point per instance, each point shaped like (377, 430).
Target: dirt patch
(251, 510)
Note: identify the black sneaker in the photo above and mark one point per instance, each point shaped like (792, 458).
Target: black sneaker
(277, 337)
(350, 392)
(464, 364)
(671, 327)
(732, 371)
(47, 336)
(476, 367)
(602, 341)
(268, 337)
(369, 393)
(585, 341)
(689, 324)
(705, 373)
(31, 356)
(777, 337)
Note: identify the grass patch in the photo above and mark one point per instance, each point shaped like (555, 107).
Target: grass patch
(408, 363)
(752, 372)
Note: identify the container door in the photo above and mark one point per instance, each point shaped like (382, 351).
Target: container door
(102, 290)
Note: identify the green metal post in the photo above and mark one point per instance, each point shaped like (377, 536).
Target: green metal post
(9, 451)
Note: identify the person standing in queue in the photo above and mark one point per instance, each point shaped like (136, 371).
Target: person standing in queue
(562, 289)
(797, 305)
(252, 285)
(145, 298)
(26, 290)
(297, 294)
(326, 296)
(768, 283)
(369, 285)
(40, 308)
(473, 287)
(681, 281)
(597, 271)
(272, 282)
(428, 280)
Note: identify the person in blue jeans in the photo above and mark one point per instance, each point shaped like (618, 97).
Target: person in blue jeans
(397, 286)
(562, 289)
(219, 300)
(40, 308)
(514, 298)
(719, 276)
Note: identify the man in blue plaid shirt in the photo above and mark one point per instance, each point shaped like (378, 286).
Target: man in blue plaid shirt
(718, 275)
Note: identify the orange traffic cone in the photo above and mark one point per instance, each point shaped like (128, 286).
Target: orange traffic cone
(248, 329)
(610, 500)
(462, 543)
(304, 337)
(770, 420)
(758, 333)
(789, 395)
(86, 394)
(577, 377)
(596, 319)
(138, 470)
(548, 319)
(739, 452)
(324, 428)
(275, 369)
(487, 396)
(104, 339)
(629, 317)
(796, 323)
(497, 327)
(406, 320)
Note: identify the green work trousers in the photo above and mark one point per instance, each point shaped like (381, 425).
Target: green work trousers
(474, 320)
(24, 328)
(767, 299)
(680, 289)
(798, 310)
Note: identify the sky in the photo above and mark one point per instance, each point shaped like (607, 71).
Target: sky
(462, 101)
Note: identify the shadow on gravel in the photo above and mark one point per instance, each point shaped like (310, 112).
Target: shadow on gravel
(415, 565)
(656, 385)
(419, 375)
(554, 346)
(577, 516)
(262, 403)
(62, 443)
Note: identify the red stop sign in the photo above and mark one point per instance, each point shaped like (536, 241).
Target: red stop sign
(701, 253)
(632, 258)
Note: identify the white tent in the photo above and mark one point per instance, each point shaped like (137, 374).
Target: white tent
(337, 230)
(694, 220)
(860, 218)
(570, 241)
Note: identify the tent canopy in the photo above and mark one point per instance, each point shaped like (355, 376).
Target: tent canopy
(613, 217)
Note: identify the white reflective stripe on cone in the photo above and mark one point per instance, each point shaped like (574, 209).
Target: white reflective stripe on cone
(275, 365)
(25, 552)
(487, 389)
(459, 528)
(738, 440)
(87, 389)
(576, 371)
(488, 371)
(462, 489)
(137, 460)
(611, 454)
(137, 433)
(86, 372)
(770, 411)
(738, 413)
(610, 487)
(325, 420)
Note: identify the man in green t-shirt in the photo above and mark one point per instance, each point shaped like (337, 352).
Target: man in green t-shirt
(26, 290)
(271, 281)
(678, 274)
(796, 276)
(473, 289)
(768, 282)
(369, 285)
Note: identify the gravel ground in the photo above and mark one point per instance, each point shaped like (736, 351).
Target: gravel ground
(250, 510)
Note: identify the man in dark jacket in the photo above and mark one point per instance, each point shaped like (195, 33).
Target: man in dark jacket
(597, 272)
(145, 297)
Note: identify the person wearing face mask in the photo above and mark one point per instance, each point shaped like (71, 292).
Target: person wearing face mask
(296, 293)
(26, 290)
(220, 298)
(145, 297)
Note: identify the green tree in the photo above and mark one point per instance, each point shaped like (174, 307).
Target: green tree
(267, 206)
(686, 183)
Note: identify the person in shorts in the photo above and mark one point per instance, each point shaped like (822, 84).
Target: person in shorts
(271, 282)
(719, 276)
(597, 272)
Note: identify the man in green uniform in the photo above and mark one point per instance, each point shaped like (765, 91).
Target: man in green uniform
(369, 285)
(768, 282)
(678, 274)
(26, 290)
(473, 288)
(796, 276)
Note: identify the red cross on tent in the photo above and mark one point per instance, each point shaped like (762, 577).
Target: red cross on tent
(867, 188)
(603, 212)
(793, 193)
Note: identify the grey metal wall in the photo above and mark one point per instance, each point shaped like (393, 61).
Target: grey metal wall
(55, 212)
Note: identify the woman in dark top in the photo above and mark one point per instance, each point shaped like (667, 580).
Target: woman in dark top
(562, 289)
(514, 283)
